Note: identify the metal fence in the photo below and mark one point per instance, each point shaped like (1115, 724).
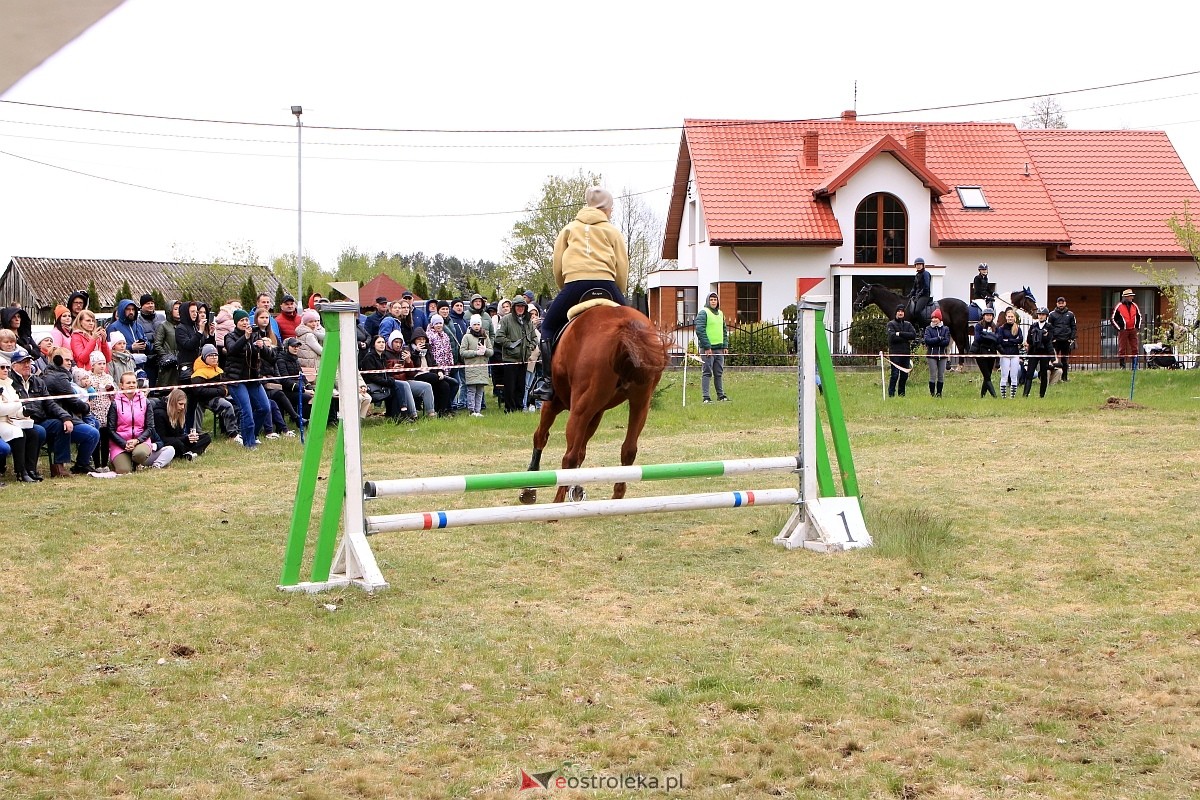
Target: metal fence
(772, 343)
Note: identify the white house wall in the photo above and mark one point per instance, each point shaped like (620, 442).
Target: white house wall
(884, 174)
(777, 268)
(1009, 268)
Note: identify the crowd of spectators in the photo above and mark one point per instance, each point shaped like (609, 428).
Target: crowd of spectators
(133, 394)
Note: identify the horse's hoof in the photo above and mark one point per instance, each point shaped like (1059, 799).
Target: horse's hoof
(576, 494)
(528, 496)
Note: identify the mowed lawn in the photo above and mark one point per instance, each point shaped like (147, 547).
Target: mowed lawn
(1028, 625)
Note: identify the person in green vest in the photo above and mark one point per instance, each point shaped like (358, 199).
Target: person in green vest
(712, 337)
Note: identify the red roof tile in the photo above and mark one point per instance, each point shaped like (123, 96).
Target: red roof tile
(1114, 190)
(1047, 187)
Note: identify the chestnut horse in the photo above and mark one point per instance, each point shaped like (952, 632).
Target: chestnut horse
(605, 356)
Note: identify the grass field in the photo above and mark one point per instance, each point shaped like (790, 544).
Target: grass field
(1027, 625)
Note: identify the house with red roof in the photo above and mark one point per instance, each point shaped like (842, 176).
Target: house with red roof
(761, 208)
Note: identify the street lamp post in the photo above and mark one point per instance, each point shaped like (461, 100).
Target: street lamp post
(298, 110)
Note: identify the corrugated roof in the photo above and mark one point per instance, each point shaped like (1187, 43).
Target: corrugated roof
(1057, 188)
(51, 280)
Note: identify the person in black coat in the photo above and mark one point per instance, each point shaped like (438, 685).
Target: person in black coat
(170, 425)
(985, 346)
(17, 320)
(397, 399)
(188, 339)
(80, 427)
(1040, 344)
(900, 333)
(243, 362)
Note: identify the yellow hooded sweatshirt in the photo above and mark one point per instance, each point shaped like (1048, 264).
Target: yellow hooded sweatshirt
(591, 248)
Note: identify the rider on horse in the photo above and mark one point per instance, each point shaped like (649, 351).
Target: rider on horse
(589, 255)
(921, 293)
(981, 288)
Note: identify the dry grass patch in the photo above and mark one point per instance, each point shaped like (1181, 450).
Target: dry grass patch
(1027, 625)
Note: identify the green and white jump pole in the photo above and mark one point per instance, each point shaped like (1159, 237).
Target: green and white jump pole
(820, 521)
(353, 563)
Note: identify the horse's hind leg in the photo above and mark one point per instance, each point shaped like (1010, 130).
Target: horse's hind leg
(639, 408)
(550, 411)
(581, 426)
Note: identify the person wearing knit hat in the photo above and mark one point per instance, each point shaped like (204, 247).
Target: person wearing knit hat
(244, 367)
(137, 340)
(122, 360)
(208, 350)
(476, 349)
(97, 357)
(61, 332)
(589, 254)
(312, 338)
(516, 339)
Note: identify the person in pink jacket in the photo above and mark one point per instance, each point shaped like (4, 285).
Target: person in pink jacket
(131, 441)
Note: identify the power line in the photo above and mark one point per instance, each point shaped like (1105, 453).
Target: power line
(1059, 93)
(292, 156)
(265, 207)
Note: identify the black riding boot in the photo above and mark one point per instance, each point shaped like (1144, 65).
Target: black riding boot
(18, 459)
(939, 388)
(932, 389)
(543, 386)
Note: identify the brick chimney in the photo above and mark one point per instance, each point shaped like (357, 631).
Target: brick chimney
(915, 144)
(849, 116)
(810, 148)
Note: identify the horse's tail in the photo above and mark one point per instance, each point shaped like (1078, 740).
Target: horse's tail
(642, 356)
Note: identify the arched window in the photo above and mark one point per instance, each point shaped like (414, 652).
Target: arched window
(880, 231)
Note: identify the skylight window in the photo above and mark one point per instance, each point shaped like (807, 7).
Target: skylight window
(972, 197)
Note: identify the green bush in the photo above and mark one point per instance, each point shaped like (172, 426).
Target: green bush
(868, 332)
(757, 344)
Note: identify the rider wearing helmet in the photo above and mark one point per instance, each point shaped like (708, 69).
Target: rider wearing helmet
(981, 288)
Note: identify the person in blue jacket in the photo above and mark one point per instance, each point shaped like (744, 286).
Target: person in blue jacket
(137, 340)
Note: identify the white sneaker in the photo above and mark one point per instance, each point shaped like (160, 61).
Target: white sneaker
(290, 434)
(476, 414)
(258, 441)
(238, 439)
(272, 435)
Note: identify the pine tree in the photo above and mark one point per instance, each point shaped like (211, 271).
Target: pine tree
(249, 294)
(93, 301)
(419, 287)
(160, 302)
(125, 293)
(278, 296)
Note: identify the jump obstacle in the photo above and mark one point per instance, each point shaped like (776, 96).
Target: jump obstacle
(820, 520)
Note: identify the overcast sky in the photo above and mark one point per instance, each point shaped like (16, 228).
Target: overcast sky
(510, 72)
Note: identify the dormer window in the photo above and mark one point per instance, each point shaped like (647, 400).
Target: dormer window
(972, 197)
